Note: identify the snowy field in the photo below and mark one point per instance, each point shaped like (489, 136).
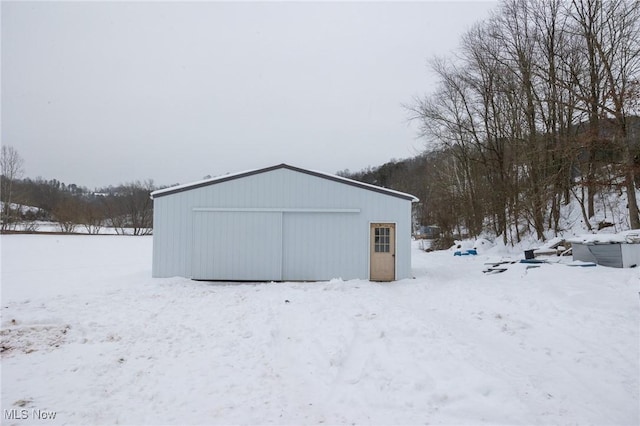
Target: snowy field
(88, 337)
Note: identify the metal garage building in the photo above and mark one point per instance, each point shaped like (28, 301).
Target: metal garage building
(281, 223)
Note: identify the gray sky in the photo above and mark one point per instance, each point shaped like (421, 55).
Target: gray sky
(105, 93)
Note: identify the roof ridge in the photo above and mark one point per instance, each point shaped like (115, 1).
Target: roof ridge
(233, 176)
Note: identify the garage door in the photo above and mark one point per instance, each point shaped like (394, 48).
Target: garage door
(237, 245)
(321, 246)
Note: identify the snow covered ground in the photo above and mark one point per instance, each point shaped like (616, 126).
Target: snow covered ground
(90, 338)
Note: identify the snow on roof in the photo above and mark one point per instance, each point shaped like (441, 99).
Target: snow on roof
(231, 176)
(627, 237)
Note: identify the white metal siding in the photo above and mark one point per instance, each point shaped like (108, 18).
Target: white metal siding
(237, 245)
(324, 226)
(630, 255)
(581, 252)
(618, 255)
(321, 246)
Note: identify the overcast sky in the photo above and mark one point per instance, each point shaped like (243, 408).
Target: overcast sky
(106, 93)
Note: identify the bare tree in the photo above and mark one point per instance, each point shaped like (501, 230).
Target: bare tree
(139, 207)
(131, 208)
(11, 167)
(92, 215)
(67, 214)
(542, 89)
(620, 55)
(556, 104)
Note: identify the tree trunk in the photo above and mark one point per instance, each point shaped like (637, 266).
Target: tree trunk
(634, 217)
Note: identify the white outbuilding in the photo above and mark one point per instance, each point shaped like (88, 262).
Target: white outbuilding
(620, 250)
(281, 223)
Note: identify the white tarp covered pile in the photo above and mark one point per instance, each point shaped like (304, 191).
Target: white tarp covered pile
(620, 250)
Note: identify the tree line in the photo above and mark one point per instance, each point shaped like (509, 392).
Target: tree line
(539, 105)
(127, 208)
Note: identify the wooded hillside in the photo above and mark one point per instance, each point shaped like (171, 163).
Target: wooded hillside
(538, 107)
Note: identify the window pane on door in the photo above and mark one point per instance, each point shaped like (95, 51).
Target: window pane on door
(381, 240)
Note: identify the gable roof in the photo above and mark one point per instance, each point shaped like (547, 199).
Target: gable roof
(225, 178)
